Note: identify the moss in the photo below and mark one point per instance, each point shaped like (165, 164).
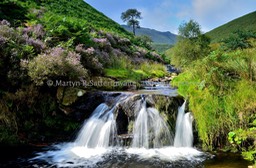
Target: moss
(168, 107)
(130, 127)
(102, 83)
(68, 95)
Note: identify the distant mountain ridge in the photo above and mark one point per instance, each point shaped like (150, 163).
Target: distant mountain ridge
(244, 23)
(156, 36)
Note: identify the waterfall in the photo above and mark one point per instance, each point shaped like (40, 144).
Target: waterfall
(99, 130)
(96, 143)
(150, 130)
(184, 130)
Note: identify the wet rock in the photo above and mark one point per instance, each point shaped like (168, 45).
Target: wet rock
(122, 122)
(131, 105)
(126, 107)
(87, 103)
(125, 139)
(167, 106)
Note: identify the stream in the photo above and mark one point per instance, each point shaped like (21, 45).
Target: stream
(151, 143)
(19, 157)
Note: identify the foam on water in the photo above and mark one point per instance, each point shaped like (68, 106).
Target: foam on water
(152, 139)
(167, 153)
(71, 155)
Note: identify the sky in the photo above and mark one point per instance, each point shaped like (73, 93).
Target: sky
(167, 15)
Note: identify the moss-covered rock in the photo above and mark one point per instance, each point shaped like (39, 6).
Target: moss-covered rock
(101, 83)
(68, 95)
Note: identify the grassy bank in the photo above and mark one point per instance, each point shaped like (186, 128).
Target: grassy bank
(221, 89)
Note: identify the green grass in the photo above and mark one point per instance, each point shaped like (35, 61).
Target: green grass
(160, 47)
(244, 23)
(143, 71)
(80, 10)
(126, 74)
(117, 73)
(221, 92)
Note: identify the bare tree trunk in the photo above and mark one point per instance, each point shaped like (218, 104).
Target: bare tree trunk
(133, 29)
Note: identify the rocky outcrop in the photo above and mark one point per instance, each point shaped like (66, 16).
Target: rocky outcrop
(83, 107)
(126, 106)
(128, 109)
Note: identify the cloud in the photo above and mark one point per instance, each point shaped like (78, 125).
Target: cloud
(202, 7)
(162, 16)
(167, 15)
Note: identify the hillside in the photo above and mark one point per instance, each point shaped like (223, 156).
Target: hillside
(72, 23)
(77, 9)
(246, 22)
(156, 36)
(48, 45)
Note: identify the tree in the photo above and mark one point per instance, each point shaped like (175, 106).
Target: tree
(131, 16)
(239, 40)
(145, 41)
(191, 45)
(190, 30)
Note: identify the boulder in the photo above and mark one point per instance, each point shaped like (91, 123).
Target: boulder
(128, 109)
(126, 106)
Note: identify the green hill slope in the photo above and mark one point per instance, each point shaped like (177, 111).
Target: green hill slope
(156, 36)
(70, 24)
(83, 12)
(246, 23)
(18, 11)
(52, 50)
(162, 41)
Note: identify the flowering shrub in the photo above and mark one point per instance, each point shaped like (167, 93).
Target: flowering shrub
(2, 40)
(5, 22)
(12, 50)
(56, 64)
(90, 51)
(117, 53)
(111, 39)
(33, 36)
(35, 31)
(142, 51)
(155, 56)
(21, 42)
(103, 57)
(89, 59)
(102, 43)
(27, 50)
(7, 32)
(37, 45)
(124, 41)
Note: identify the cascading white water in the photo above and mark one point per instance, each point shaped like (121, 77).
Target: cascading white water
(152, 140)
(150, 130)
(99, 130)
(184, 130)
